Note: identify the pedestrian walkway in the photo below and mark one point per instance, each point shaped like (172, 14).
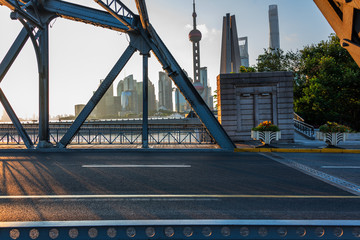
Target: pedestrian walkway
(300, 144)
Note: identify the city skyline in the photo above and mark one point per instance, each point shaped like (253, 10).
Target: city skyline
(81, 60)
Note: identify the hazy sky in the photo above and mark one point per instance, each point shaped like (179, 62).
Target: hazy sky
(81, 55)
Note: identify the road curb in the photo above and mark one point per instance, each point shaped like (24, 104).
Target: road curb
(298, 150)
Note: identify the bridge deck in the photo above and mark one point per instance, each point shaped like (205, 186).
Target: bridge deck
(153, 185)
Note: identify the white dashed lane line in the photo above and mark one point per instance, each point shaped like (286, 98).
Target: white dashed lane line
(136, 166)
(341, 167)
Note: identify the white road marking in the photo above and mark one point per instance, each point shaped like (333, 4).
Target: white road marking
(175, 196)
(341, 167)
(136, 166)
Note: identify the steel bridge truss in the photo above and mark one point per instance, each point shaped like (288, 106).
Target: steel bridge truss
(35, 15)
(116, 136)
(344, 18)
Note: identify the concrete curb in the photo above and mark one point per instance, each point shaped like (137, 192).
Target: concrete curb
(298, 150)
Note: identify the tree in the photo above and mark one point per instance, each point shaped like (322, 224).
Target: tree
(277, 60)
(326, 81)
(329, 85)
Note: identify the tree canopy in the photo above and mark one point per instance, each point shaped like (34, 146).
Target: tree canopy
(327, 81)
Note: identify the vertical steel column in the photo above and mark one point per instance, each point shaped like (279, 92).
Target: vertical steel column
(145, 124)
(44, 133)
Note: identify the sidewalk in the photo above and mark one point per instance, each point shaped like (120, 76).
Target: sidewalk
(301, 144)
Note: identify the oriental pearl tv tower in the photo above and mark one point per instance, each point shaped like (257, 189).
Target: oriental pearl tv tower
(195, 37)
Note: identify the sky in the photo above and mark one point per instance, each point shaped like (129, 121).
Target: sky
(81, 55)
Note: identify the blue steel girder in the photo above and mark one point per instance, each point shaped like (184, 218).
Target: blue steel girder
(4, 67)
(24, 10)
(180, 79)
(87, 15)
(13, 53)
(73, 12)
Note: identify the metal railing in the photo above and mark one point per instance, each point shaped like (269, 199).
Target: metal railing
(297, 117)
(306, 129)
(118, 136)
(183, 229)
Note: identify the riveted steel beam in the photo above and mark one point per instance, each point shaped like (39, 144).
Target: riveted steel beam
(85, 14)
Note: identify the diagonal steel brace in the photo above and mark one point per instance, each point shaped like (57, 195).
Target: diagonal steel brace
(95, 99)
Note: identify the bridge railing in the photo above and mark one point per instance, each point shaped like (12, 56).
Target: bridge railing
(304, 128)
(183, 229)
(108, 135)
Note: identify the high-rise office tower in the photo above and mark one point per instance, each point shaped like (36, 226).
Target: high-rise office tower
(274, 42)
(181, 105)
(165, 92)
(206, 94)
(130, 92)
(244, 51)
(230, 51)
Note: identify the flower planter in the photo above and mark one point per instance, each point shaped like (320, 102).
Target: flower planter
(331, 138)
(265, 136)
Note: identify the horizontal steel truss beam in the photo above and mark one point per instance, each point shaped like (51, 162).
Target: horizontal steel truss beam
(344, 18)
(86, 15)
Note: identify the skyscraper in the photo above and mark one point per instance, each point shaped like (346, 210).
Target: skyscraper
(244, 51)
(230, 51)
(165, 92)
(181, 105)
(131, 95)
(108, 106)
(274, 42)
(206, 94)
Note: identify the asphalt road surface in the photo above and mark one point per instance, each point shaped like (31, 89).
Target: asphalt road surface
(170, 185)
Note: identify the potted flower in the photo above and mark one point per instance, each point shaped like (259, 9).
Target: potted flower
(266, 132)
(332, 133)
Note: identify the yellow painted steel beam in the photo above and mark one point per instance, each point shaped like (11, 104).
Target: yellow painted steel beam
(341, 16)
(5, 3)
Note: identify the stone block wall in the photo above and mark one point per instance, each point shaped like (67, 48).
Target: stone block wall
(246, 99)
